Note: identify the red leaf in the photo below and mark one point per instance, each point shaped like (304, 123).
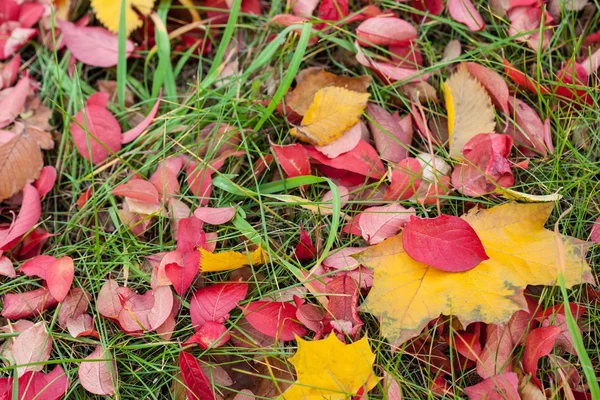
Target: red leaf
(81, 325)
(343, 300)
(344, 144)
(59, 277)
(215, 216)
(104, 133)
(32, 346)
(137, 130)
(523, 80)
(6, 267)
(29, 214)
(595, 232)
(496, 356)
(76, 303)
(466, 344)
(210, 335)
(333, 10)
(493, 83)
(37, 266)
(190, 235)
(529, 132)
(446, 242)
(293, 159)
(342, 259)
(213, 303)
(379, 223)
(182, 276)
(108, 303)
(311, 316)
(165, 176)
(504, 386)
(200, 183)
(363, 160)
(197, 384)
(288, 20)
(146, 312)
(37, 385)
(94, 46)
(27, 304)
(525, 25)
(405, 180)
(304, 249)
(539, 343)
(304, 8)
(434, 7)
(8, 75)
(388, 70)
(406, 55)
(384, 31)
(13, 102)
(274, 319)
(46, 180)
(100, 99)
(464, 12)
(138, 189)
(97, 376)
(391, 141)
(85, 196)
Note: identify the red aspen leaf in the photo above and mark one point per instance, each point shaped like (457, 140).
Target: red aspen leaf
(81, 325)
(523, 80)
(133, 133)
(12, 105)
(384, 31)
(59, 277)
(210, 335)
(182, 276)
(346, 143)
(104, 133)
(446, 242)
(595, 231)
(492, 82)
(107, 303)
(93, 45)
(529, 129)
(46, 180)
(32, 346)
(379, 223)
(6, 267)
(539, 343)
(362, 160)
(343, 300)
(75, 303)
(304, 249)
(197, 384)
(503, 386)
(496, 357)
(391, 141)
(96, 374)
(37, 385)
(213, 303)
(138, 189)
(190, 235)
(215, 216)
(146, 312)
(274, 319)
(27, 304)
(405, 180)
(464, 11)
(293, 159)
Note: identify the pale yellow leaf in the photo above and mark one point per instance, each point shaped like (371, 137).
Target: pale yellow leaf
(526, 197)
(470, 110)
(109, 12)
(227, 260)
(406, 294)
(315, 207)
(332, 370)
(332, 112)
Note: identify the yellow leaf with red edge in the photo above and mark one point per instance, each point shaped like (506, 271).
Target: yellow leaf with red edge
(470, 110)
(109, 13)
(332, 370)
(227, 260)
(332, 112)
(406, 294)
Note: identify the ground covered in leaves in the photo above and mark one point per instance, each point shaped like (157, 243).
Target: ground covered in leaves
(299, 200)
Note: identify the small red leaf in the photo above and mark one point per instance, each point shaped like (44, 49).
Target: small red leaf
(363, 160)
(342, 259)
(6, 267)
(595, 232)
(523, 80)
(464, 12)
(97, 376)
(190, 235)
(108, 304)
(32, 346)
(529, 130)
(304, 249)
(197, 384)
(76, 303)
(446, 242)
(215, 216)
(138, 189)
(275, 319)
(182, 276)
(343, 300)
(379, 223)
(28, 304)
(45, 181)
(384, 31)
(344, 144)
(136, 131)
(391, 141)
(29, 214)
(210, 335)
(293, 159)
(333, 10)
(504, 386)
(146, 312)
(304, 8)
(213, 303)
(493, 83)
(497, 354)
(59, 277)
(466, 344)
(405, 180)
(12, 105)
(37, 385)
(104, 133)
(81, 325)
(539, 343)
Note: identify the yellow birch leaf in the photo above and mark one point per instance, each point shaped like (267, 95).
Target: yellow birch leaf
(470, 110)
(227, 260)
(406, 294)
(109, 12)
(333, 111)
(332, 370)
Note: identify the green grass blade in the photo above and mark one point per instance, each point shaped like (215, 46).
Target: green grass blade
(122, 56)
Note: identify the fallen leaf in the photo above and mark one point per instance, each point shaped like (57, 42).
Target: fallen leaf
(529, 130)
(309, 81)
(405, 180)
(59, 277)
(133, 133)
(46, 180)
(452, 51)
(379, 223)
(523, 80)
(37, 385)
(197, 384)
(213, 303)
(496, 357)
(304, 8)
(96, 374)
(384, 31)
(388, 70)
(446, 242)
(465, 12)
(6, 267)
(521, 253)
(215, 216)
(349, 140)
(226, 260)
(27, 304)
(332, 112)
(75, 303)
(342, 258)
(32, 346)
(109, 11)
(331, 369)
(493, 83)
(81, 325)
(107, 303)
(146, 312)
(274, 319)
(244, 394)
(503, 386)
(190, 235)
(391, 141)
(362, 160)
(293, 159)
(138, 189)
(9, 72)
(539, 343)
(210, 335)
(525, 26)
(182, 276)
(13, 101)
(526, 197)
(470, 110)
(333, 10)
(343, 301)
(305, 250)
(595, 231)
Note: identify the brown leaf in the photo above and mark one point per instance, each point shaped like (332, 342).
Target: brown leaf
(279, 378)
(309, 81)
(110, 88)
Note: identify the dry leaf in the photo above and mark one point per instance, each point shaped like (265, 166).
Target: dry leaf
(406, 294)
(470, 110)
(109, 12)
(226, 260)
(333, 111)
(309, 81)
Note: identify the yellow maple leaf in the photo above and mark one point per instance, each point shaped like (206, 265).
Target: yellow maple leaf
(406, 294)
(332, 370)
(470, 110)
(109, 12)
(332, 112)
(227, 260)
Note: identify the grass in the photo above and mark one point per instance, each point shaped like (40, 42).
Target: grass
(102, 246)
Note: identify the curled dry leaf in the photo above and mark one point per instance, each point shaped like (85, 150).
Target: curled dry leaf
(305, 250)
(98, 373)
